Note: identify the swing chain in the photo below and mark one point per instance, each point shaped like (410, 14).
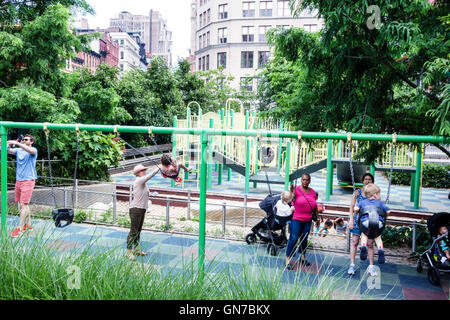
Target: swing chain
(76, 166)
(49, 163)
(394, 148)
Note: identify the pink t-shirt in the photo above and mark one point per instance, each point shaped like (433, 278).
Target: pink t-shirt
(303, 211)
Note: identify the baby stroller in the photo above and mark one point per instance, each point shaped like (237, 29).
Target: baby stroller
(272, 228)
(434, 256)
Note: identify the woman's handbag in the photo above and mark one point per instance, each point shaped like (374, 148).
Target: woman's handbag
(314, 211)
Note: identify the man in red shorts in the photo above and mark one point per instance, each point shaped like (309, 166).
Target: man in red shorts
(26, 176)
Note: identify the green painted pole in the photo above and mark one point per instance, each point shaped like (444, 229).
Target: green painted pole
(220, 167)
(417, 177)
(188, 144)
(4, 181)
(329, 185)
(287, 166)
(210, 156)
(255, 185)
(174, 147)
(412, 187)
(372, 168)
(200, 114)
(280, 144)
(247, 157)
(231, 146)
(202, 205)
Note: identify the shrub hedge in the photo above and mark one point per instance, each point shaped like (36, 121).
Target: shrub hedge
(434, 176)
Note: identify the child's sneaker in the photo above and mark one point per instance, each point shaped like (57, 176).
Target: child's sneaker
(15, 233)
(27, 227)
(372, 271)
(351, 269)
(381, 258)
(363, 253)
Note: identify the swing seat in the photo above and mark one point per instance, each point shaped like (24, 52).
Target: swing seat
(62, 217)
(369, 221)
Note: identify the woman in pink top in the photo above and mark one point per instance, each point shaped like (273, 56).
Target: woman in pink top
(305, 203)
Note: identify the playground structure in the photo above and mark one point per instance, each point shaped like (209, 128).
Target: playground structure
(291, 157)
(206, 136)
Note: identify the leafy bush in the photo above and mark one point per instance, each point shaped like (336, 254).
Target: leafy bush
(434, 176)
(80, 216)
(394, 236)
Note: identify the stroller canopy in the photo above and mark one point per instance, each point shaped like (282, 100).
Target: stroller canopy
(437, 220)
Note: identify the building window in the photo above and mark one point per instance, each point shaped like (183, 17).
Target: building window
(207, 62)
(121, 54)
(121, 67)
(204, 40)
(310, 27)
(208, 19)
(265, 8)
(208, 39)
(247, 84)
(248, 34)
(223, 11)
(203, 63)
(283, 27)
(247, 59)
(199, 42)
(263, 58)
(204, 18)
(199, 64)
(248, 9)
(262, 33)
(283, 8)
(222, 35)
(222, 60)
(121, 41)
(200, 20)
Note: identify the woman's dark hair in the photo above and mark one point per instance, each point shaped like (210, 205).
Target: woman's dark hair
(165, 160)
(338, 221)
(368, 174)
(307, 174)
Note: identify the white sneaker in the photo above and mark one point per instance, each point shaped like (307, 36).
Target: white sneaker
(372, 271)
(351, 270)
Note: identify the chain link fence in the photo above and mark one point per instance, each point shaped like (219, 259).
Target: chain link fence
(103, 203)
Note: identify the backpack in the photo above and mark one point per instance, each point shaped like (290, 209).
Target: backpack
(268, 203)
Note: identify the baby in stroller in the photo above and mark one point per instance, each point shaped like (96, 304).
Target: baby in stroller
(437, 256)
(279, 211)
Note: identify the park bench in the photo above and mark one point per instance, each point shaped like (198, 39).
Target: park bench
(132, 157)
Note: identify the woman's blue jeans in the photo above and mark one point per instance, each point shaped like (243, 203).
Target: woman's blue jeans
(298, 230)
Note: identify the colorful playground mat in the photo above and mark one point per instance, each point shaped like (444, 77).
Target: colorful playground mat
(395, 281)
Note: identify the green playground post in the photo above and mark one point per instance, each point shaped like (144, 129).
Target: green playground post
(280, 144)
(417, 176)
(231, 146)
(247, 157)
(220, 168)
(202, 205)
(255, 184)
(412, 188)
(3, 171)
(210, 156)
(174, 147)
(372, 168)
(188, 147)
(199, 114)
(287, 165)
(329, 185)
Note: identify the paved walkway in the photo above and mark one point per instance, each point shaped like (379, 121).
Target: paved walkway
(433, 200)
(397, 282)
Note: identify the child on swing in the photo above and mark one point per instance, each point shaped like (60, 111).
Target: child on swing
(171, 169)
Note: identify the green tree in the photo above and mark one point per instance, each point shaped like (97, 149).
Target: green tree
(356, 78)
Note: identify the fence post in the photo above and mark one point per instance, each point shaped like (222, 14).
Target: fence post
(65, 197)
(130, 195)
(224, 213)
(114, 206)
(245, 210)
(189, 205)
(413, 238)
(76, 193)
(167, 212)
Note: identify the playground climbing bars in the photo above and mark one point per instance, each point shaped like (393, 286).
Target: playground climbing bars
(204, 135)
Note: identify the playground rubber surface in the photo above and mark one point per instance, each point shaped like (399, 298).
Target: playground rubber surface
(169, 251)
(433, 200)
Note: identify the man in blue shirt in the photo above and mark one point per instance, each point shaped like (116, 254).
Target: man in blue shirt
(26, 176)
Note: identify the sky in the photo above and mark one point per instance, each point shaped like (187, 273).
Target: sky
(176, 12)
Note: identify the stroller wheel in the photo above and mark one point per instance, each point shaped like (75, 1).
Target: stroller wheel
(272, 249)
(250, 238)
(433, 276)
(419, 266)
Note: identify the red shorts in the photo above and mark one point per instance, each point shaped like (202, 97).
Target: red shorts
(23, 191)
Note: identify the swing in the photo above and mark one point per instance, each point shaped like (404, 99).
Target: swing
(62, 216)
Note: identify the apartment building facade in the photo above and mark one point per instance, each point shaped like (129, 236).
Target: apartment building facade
(232, 34)
(129, 52)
